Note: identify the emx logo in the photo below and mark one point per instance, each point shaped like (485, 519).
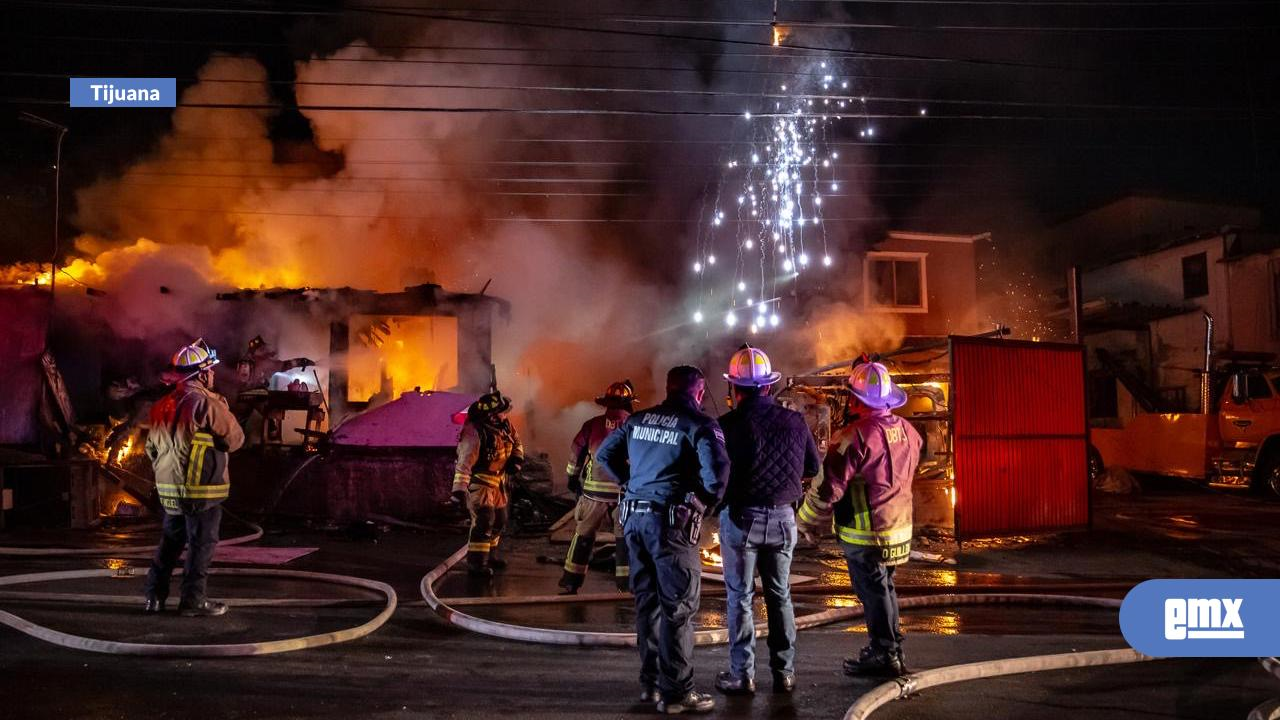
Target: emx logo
(1203, 618)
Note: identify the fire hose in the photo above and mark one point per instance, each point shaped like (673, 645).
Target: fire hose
(255, 533)
(590, 638)
(79, 642)
(905, 686)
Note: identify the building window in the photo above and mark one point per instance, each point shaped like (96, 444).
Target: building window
(1195, 276)
(896, 282)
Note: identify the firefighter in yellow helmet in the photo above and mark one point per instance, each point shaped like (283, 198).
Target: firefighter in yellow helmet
(597, 493)
(489, 452)
(192, 432)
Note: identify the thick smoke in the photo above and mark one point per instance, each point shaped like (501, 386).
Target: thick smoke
(382, 200)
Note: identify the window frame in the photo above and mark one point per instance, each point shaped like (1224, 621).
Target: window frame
(868, 294)
(1203, 256)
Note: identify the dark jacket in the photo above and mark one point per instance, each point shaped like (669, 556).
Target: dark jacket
(663, 452)
(770, 451)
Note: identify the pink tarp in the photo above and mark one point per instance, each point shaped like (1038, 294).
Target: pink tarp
(413, 420)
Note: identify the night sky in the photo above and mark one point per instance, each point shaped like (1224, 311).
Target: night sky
(1068, 103)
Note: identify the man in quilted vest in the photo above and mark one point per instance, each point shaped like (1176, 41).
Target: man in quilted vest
(866, 486)
(597, 493)
(771, 452)
(192, 432)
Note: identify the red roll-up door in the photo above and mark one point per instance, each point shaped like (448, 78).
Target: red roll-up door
(1019, 436)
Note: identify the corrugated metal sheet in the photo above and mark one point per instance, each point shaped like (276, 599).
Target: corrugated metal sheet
(1020, 436)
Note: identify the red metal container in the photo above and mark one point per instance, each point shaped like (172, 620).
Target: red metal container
(1020, 436)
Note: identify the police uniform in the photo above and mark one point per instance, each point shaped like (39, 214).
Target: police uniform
(489, 450)
(660, 455)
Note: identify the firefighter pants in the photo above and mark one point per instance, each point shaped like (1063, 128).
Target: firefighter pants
(762, 538)
(873, 583)
(591, 515)
(198, 532)
(666, 576)
(488, 507)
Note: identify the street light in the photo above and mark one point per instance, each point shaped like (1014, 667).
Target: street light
(57, 207)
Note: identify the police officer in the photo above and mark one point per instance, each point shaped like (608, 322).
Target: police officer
(597, 494)
(192, 432)
(671, 460)
(866, 485)
(771, 452)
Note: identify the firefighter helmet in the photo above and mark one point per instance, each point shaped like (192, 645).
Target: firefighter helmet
(871, 384)
(194, 358)
(750, 367)
(491, 403)
(620, 394)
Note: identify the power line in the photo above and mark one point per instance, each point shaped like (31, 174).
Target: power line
(638, 112)
(825, 97)
(845, 51)
(378, 216)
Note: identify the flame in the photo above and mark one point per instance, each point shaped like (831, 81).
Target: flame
(396, 354)
(711, 555)
(125, 450)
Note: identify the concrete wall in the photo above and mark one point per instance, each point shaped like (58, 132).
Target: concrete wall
(951, 284)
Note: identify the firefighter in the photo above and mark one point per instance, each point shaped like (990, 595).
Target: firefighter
(489, 452)
(192, 432)
(597, 493)
(672, 462)
(771, 454)
(867, 484)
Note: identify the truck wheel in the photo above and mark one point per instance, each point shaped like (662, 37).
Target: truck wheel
(1269, 478)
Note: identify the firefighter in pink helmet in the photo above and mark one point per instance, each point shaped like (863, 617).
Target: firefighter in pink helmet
(866, 486)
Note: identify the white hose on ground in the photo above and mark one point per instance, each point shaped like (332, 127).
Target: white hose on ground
(122, 550)
(903, 687)
(592, 638)
(78, 642)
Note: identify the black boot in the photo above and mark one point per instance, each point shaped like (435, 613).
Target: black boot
(569, 583)
(730, 684)
(478, 564)
(693, 702)
(204, 608)
(153, 606)
(875, 662)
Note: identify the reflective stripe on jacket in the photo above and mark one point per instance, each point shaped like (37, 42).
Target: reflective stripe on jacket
(488, 450)
(192, 432)
(595, 485)
(866, 485)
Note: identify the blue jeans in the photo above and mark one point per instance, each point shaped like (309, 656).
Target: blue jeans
(666, 579)
(873, 583)
(763, 537)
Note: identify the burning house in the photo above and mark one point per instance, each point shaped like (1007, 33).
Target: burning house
(296, 364)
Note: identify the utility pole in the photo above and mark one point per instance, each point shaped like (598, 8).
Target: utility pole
(57, 211)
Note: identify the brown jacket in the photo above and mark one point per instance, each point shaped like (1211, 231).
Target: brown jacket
(192, 432)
